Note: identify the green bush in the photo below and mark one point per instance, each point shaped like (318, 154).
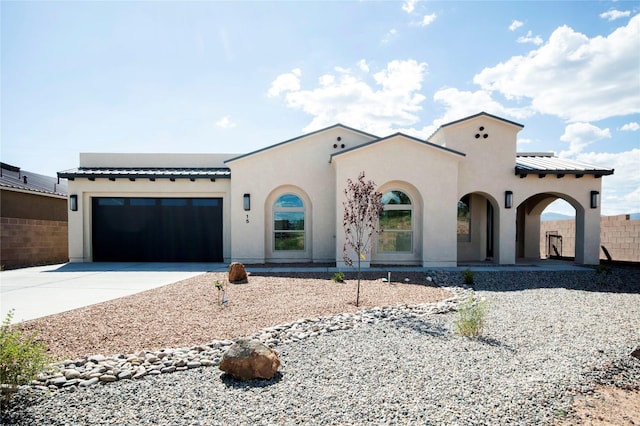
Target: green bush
(338, 277)
(468, 276)
(21, 358)
(471, 317)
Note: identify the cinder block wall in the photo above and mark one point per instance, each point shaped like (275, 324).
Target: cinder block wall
(32, 241)
(619, 234)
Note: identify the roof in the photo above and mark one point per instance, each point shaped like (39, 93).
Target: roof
(547, 163)
(433, 145)
(485, 114)
(14, 178)
(147, 173)
(301, 137)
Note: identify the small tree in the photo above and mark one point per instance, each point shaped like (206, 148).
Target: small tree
(362, 211)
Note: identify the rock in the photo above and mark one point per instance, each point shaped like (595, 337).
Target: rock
(237, 273)
(108, 378)
(126, 374)
(87, 383)
(636, 352)
(250, 359)
(71, 373)
(140, 372)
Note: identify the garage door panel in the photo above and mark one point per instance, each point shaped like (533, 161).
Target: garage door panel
(157, 229)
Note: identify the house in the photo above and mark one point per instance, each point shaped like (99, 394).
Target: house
(33, 218)
(462, 195)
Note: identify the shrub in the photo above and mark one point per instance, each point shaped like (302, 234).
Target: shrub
(471, 317)
(468, 276)
(338, 277)
(21, 358)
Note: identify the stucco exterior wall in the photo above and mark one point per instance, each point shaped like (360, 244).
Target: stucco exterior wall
(80, 222)
(300, 166)
(405, 164)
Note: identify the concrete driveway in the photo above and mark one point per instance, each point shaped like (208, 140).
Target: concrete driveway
(45, 290)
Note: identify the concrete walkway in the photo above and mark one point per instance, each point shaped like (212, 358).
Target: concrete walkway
(45, 290)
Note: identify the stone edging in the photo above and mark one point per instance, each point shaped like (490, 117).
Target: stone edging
(69, 375)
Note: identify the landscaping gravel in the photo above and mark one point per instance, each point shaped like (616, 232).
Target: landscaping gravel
(549, 336)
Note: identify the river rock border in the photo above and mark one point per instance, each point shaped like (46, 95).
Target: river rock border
(70, 375)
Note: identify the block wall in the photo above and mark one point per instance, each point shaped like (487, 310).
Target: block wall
(619, 234)
(32, 241)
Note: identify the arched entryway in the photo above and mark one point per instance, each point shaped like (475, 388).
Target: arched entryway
(477, 228)
(531, 243)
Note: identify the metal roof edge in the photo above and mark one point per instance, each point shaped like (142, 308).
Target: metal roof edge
(413, 138)
(315, 132)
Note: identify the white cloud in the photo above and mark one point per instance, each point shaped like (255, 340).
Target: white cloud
(225, 122)
(573, 76)
(515, 25)
(631, 127)
(612, 15)
(529, 38)
(409, 5)
(428, 19)
(460, 104)
(285, 82)
(523, 141)
(620, 191)
(362, 64)
(390, 35)
(391, 100)
(580, 135)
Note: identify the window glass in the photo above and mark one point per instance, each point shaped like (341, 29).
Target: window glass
(289, 200)
(289, 241)
(396, 223)
(204, 202)
(142, 201)
(395, 197)
(288, 223)
(174, 201)
(464, 219)
(111, 201)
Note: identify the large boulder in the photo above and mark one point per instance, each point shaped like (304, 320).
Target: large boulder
(237, 273)
(249, 359)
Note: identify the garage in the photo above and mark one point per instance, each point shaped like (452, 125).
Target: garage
(157, 229)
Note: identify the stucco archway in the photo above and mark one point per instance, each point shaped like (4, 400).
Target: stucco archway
(408, 250)
(285, 207)
(478, 230)
(528, 228)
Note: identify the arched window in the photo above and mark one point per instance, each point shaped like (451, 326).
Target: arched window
(396, 222)
(288, 223)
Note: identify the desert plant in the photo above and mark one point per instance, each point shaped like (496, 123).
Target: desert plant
(471, 317)
(222, 295)
(338, 277)
(361, 219)
(469, 276)
(21, 358)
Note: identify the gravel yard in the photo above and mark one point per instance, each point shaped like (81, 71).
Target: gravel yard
(551, 339)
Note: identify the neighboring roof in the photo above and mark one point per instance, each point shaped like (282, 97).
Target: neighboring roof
(14, 178)
(301, 137)
(546, 163)
(146, 172)
(433, 145)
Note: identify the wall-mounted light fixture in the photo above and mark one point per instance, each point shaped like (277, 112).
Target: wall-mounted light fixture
(73, 203)
(246, 202)
(508, 199)
(595, 199)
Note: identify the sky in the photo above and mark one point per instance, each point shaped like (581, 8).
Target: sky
(233, 77)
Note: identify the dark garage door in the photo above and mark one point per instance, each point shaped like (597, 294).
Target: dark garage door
(157, 229)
